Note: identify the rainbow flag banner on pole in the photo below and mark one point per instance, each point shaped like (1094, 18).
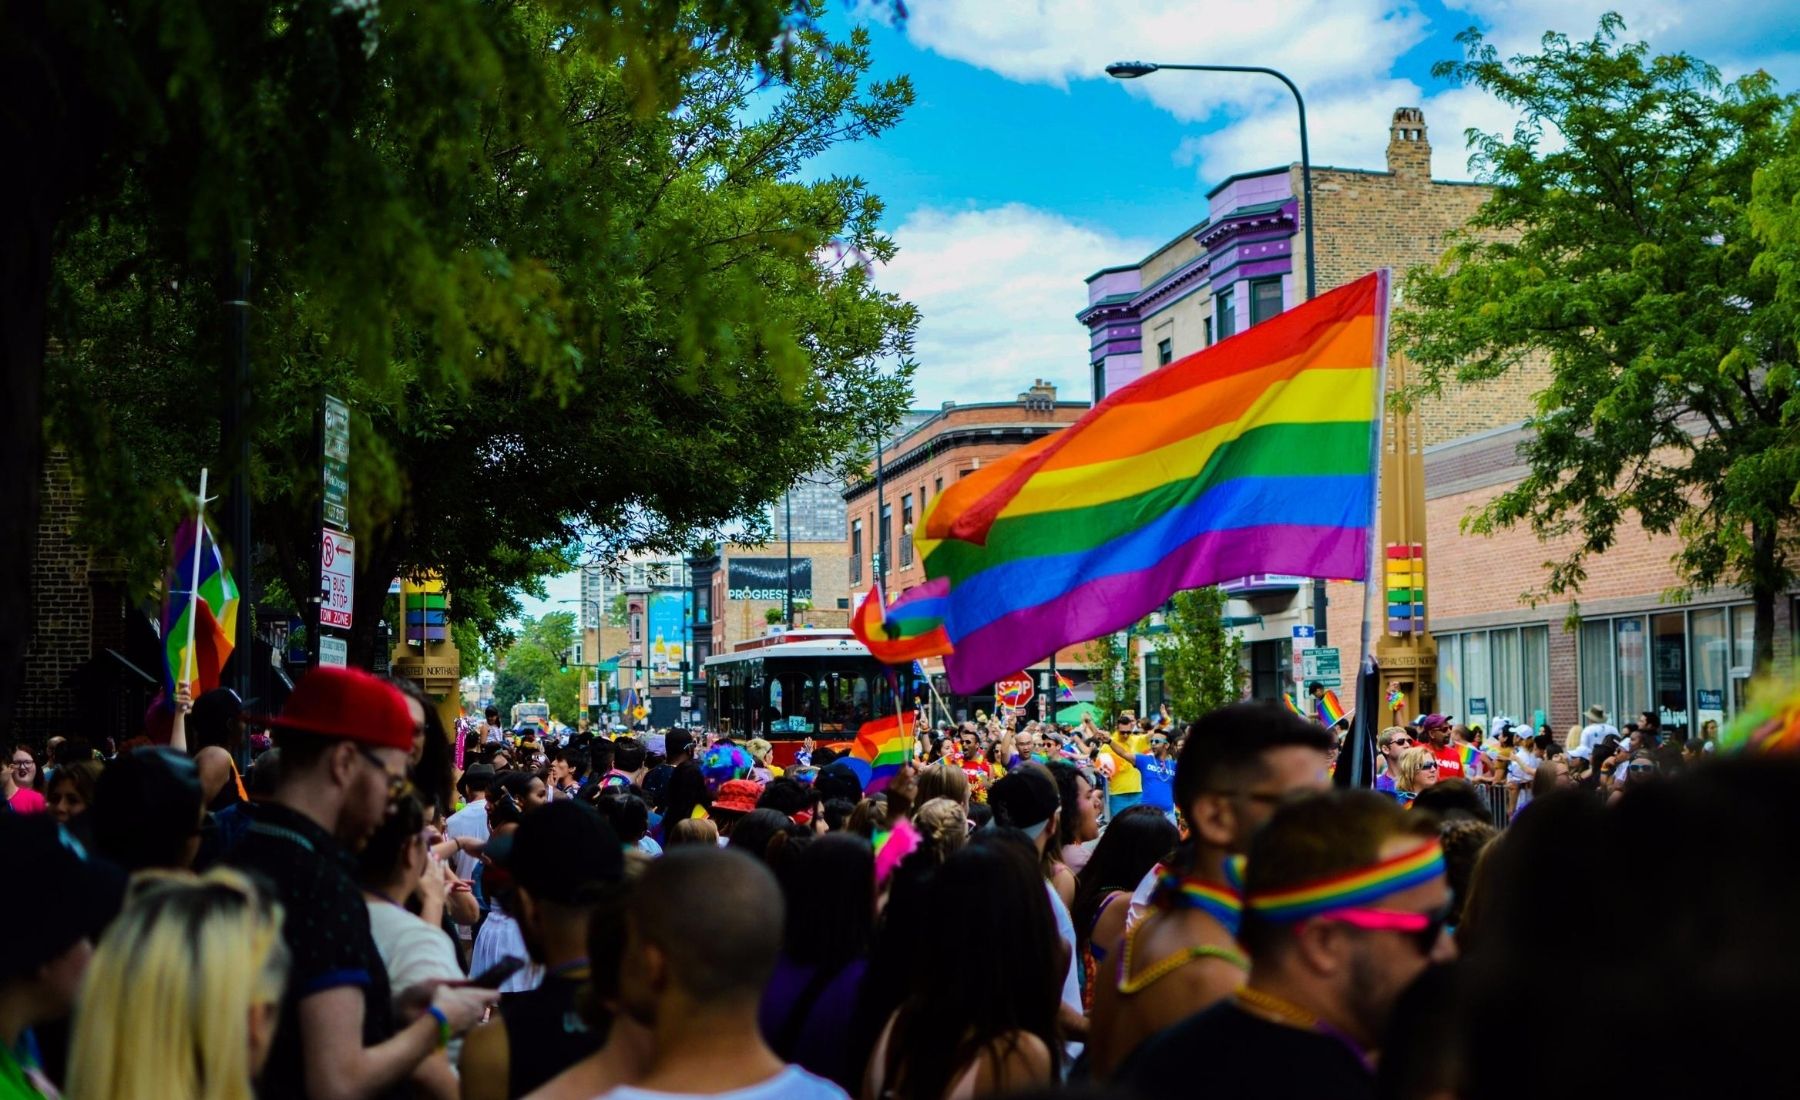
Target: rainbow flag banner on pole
(1065, 687)
(881, 746)
(1256, 455)
(910, 628)
(1331, 712)
(199, 614)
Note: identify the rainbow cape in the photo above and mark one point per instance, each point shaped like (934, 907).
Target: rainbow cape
(880, 748)
(910, 628)
(212, 604)
(1255, 455)
(1331, 712)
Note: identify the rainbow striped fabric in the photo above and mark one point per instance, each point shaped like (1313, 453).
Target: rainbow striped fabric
(1218, 900)
(1252, 456)
(1350, 889)
(1331, 712)
(213, 600)
(881, 746)
(1471, 758)
(906, 630)
(1065, 687)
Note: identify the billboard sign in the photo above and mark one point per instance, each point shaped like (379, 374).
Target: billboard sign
(664, 630)
(767, 579)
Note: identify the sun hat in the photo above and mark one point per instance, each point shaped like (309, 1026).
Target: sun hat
(737, 795)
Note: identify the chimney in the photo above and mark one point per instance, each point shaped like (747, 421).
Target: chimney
(1408, 151)
(1041, 397)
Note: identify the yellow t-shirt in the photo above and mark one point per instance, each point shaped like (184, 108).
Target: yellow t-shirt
(1125, 778)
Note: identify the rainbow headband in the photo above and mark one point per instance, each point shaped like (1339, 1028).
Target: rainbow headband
(1351, 888)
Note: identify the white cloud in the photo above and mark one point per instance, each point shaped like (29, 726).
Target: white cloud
(998, 290)
(1342, 53)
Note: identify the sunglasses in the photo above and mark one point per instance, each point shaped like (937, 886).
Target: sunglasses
(1154, 741)
(1423, 929)
(1637, 769)
(398, 785)
(1401, 741)
(1428, 766)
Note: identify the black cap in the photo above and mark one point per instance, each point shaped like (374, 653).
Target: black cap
(561, 852)
(72, 896)
(678, 742)
(1024, 799)
(838, 780)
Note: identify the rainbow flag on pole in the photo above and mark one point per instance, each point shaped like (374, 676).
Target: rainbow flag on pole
(1256, 455)
(211, 603)
(1331, 712)
(1065, 687)
(910, 628)
(881, 746)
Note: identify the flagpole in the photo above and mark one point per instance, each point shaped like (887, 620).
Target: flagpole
(1373, 583)
(187, 655)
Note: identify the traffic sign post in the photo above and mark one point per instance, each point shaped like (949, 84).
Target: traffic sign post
(337, 579)
(1324, 664)
(336, 461)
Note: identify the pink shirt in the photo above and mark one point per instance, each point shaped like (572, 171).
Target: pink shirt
(28, 801)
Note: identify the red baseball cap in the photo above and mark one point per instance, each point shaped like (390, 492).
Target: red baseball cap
(347, 704)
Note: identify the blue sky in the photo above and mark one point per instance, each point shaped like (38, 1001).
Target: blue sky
(1023, 167)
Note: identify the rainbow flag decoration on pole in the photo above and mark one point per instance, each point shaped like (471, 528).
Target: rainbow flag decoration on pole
(1065, 688)
(911, 628)
(199, 613)
(1256, 455)
(1289, 701)
(881, 746)
(1331, 712)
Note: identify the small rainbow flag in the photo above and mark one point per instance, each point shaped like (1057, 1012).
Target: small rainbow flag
(1255, 455)
(911, 628)
(1289, 700)
(1331, 712)
(1396, 699)
(1471, 760)
(881, 746)
(213, 600)
(1065, 687)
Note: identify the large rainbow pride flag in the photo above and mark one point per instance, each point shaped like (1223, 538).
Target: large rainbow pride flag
(213, 605)
(906, 630)
(1255, 455)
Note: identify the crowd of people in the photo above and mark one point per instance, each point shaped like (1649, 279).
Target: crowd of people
(381, 906)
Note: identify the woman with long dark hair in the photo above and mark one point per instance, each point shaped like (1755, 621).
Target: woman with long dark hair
(1136, 841)
(1078, 823)
(429, 764)
(686, 793)
(829, 884)
(979, 1030)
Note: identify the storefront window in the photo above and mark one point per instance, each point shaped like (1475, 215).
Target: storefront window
(1631, 667)
(1743, 651)
(1711, 664)
(1668, 667)
(1508, 698)
(1596, 666)
(1534, 665)
(1449, 692)
(1478, 691)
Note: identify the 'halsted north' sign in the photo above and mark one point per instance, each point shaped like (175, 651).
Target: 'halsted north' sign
(766, 579)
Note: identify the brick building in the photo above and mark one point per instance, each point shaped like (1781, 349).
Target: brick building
(936, 450)
(1620, 646)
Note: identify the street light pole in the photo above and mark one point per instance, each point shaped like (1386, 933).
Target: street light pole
(1131, 70)
(788, 601)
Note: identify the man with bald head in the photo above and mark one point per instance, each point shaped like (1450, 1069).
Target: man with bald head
(696, 981)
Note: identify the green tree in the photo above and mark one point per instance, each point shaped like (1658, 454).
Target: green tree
(535, 665)
(1618, 245)
(610, 326)
(1199, 654)
(348, 142)
(1112, 659)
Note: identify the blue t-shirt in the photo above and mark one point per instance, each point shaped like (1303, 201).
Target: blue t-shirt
(1159, 780)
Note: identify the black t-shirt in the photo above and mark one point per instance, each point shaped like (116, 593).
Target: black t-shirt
(1226, 1052)
(545, 1033)
(326, 926)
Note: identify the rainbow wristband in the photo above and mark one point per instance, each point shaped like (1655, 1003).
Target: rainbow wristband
(443, 1025)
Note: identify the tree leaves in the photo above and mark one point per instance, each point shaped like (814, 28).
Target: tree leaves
(1622, 245)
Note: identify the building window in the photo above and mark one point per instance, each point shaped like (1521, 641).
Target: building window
(884, 550)
(856, 550)
(1165, 352)
(1270, 671)
(1265, 299)
(1225, 313)
(1099, 380)
(937, 486)
(1209, 333)
(1154, 693)
(906, 525)
(1688, 668)
(702, 605)
(1489, 674)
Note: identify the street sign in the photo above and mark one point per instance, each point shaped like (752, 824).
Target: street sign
(337, 463)
(1014, 692)
(334, 652)
(337, 579)
(1322, 664)
(1478, 706)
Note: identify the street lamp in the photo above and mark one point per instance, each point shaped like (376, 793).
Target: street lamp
(1131, 70)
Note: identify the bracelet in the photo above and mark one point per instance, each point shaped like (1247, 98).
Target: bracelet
(443, 1025)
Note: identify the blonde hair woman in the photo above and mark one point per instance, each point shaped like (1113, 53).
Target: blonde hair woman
(1413, 772)
(183, 993)
(942, 780)
(763, 754)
